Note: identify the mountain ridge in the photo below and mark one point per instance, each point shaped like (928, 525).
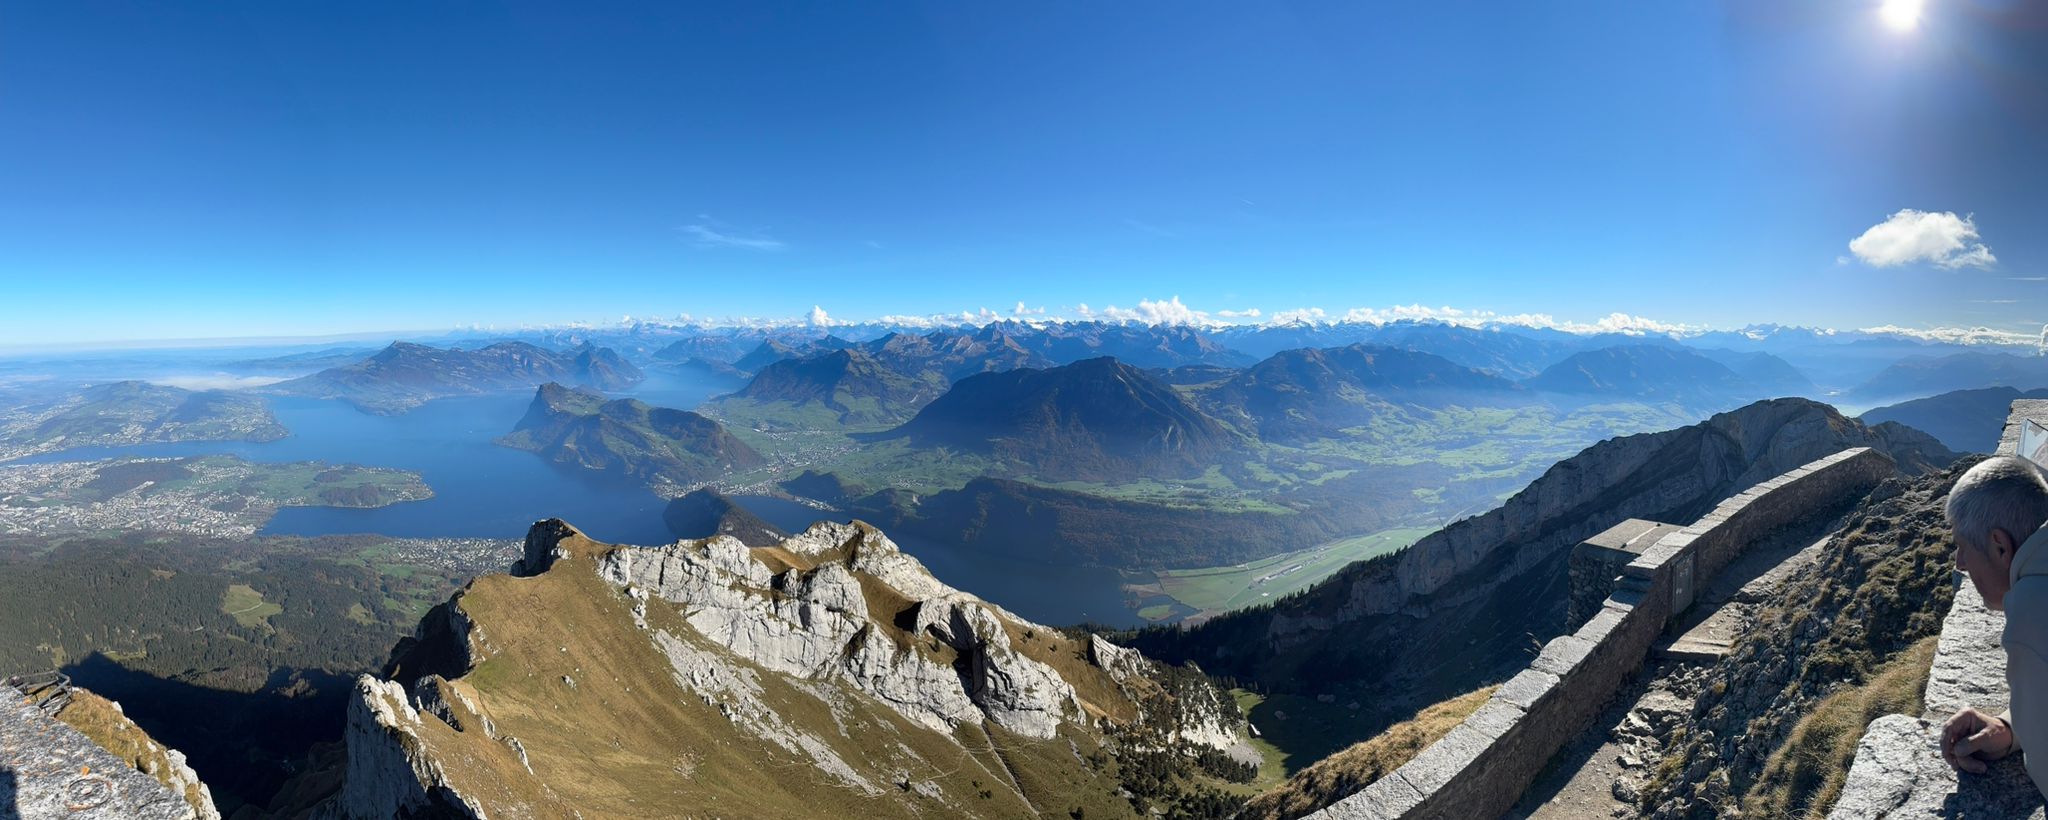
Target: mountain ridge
(658, 444)
(1094, 419)
(405, 375)
(833, 652)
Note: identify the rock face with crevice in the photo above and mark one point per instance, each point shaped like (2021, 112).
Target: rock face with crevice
(688, 678)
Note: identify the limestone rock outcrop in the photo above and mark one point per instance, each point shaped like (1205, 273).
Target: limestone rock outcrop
(833, 651)
(389, 772)
(815, 623)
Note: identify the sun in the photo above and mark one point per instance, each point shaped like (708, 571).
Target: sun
(1901, 15)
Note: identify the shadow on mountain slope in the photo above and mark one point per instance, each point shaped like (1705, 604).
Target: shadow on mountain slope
(243, 744)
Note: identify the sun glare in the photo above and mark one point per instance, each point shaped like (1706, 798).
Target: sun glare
(1901, 15)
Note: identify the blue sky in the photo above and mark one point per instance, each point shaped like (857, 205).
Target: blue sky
(259, 168)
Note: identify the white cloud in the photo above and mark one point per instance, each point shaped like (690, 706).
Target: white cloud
(1247, 313)
(714, 235)
(1940, 238)
(2042, 350)
(1461, 317)
(1298, 316)
(1169, 312)
(1625, 323)
(1955, 335)
(818, 317)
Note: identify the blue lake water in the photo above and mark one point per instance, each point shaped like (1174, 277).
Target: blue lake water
(487, 491)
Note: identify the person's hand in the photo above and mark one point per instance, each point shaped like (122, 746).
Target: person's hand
(1972, 737)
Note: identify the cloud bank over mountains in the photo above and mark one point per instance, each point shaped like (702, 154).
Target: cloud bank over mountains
(1173, 311)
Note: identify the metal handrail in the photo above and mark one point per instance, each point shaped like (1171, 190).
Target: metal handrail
(34, 685)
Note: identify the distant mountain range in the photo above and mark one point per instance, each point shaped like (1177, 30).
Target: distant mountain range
(1098, 419)
(1776, 377)
(1833, 360)
(405, 375)
(312, 360)
(1922, 376)
(678, 447)
(1300, 395)
(851, 385)
(1965, 420)
(1653, 373)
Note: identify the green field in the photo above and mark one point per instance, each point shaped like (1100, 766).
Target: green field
(1221, 589)
(247, 605)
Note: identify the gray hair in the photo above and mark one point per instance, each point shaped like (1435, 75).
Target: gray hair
(2000, 493)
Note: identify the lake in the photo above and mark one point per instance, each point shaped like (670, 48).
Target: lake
(487, 491)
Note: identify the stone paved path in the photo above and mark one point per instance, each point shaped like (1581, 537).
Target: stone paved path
(1597, 774)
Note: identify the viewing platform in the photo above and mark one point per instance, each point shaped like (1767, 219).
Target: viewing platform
(1899, 773)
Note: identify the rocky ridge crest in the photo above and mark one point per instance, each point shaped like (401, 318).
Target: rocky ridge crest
(792, 648)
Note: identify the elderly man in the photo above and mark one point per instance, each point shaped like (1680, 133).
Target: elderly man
(1996, 512)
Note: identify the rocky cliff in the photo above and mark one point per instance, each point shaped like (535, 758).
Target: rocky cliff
(1467, 604)
(1673, 475)
(66, 752)
(830, 673)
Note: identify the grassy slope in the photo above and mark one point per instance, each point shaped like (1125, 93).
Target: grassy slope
(102, 721)
(627, 741)
(1345, 772)
(1803, 777)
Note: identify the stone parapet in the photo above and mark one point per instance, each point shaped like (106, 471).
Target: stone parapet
(1898, 771)
(1597, 561)
(1482, 767)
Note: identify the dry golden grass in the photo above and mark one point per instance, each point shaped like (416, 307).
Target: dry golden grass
(1344, 773)
(627, 741)
(780, 560)
(1803, 777)
(98, 719)
(1098, 692)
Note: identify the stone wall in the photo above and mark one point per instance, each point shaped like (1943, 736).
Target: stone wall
(1898, 771)
(1482, 767)
(1596, 564)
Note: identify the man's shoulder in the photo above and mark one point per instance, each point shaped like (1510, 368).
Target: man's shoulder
(2026, 612)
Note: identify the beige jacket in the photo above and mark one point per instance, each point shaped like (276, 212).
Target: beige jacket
(2026, 654)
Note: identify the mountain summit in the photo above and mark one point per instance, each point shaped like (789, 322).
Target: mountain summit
(573, 426)
(1096, 419)
(829, 675)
